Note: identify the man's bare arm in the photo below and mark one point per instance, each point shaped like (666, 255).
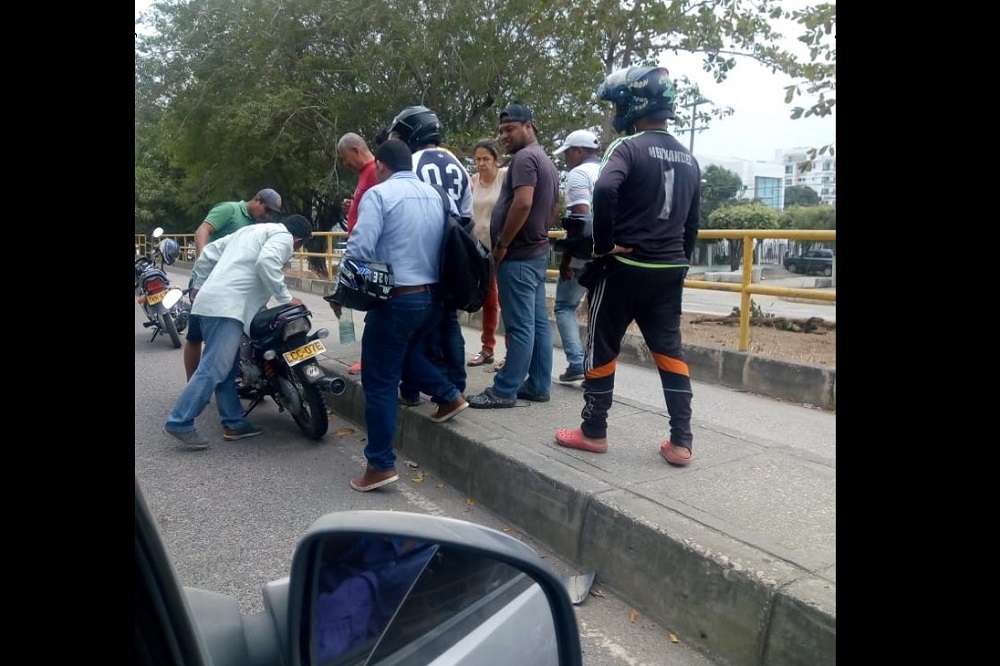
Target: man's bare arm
(202, 237)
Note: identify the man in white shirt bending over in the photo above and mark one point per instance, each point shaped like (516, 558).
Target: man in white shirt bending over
(232, 280)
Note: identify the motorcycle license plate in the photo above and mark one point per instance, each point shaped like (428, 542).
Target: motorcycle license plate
(153, 299)
(304, 353)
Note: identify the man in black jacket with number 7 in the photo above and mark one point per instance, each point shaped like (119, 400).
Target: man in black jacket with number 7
(645, 226)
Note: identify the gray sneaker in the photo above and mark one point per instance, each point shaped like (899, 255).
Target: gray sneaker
(191, 439)
(240, 432)
(488, 399)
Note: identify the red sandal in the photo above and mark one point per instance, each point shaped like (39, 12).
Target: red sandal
(675, 455)
(573, 438)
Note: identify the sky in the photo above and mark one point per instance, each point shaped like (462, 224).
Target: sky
(762, 121)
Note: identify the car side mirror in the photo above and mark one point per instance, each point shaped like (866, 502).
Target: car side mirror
(388, 587)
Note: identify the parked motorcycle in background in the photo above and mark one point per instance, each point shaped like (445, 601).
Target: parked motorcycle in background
(278, 359)
(161, 302)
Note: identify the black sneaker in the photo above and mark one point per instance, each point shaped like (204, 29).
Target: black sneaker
(531, 397)
(490, 400)
(571, 375)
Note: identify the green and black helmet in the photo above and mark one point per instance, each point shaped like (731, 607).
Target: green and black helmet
(639, 92)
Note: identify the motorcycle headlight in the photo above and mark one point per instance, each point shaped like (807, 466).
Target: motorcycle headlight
(296, 326)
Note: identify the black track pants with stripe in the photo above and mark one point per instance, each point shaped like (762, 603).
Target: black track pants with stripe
(652, 298)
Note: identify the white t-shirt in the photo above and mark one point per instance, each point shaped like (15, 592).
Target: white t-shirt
(580, 184)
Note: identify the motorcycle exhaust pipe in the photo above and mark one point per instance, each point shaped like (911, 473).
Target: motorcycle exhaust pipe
(332, 385)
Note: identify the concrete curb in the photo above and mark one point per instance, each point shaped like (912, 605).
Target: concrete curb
(794, 382)
(733, 601)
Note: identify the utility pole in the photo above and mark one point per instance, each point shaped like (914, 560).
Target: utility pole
(694, 118)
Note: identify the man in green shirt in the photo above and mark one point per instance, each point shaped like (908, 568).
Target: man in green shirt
(222, 220)
(225, 218)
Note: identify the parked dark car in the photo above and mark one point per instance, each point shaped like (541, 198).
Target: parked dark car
(813, 261)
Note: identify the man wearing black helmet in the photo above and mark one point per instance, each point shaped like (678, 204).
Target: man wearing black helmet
(645, 226)
(421, 130)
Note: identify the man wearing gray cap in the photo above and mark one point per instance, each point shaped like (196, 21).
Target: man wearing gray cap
(222, 220)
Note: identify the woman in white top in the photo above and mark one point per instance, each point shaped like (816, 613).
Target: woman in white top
(486, 184)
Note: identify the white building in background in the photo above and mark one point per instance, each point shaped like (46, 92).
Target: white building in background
(761, 180)
(822, 177)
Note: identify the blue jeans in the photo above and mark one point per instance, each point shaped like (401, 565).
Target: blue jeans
(216, 372)
(529, 339)
(569, 293)
(393, 340)
(444, 346)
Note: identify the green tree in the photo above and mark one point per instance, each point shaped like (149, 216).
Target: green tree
(742, 216)
(819, 74)
(809, 218)
(801, 195)
(719, 187)
(235, 95)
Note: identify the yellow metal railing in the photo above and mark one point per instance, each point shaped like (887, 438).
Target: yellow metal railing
(746, 289)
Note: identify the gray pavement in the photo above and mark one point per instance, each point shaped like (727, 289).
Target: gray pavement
(763, 480)
(230, 516)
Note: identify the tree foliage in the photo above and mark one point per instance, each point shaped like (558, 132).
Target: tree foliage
(801, 195)
(752, 215)
(236, 95)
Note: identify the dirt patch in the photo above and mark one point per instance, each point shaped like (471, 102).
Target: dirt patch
(810, 348)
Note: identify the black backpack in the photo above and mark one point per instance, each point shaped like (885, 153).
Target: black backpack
(464, 273)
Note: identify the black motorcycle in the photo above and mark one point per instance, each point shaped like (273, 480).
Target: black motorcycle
(278, 359)
(162, 303)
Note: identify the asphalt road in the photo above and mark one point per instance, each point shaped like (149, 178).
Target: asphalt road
(230, 516)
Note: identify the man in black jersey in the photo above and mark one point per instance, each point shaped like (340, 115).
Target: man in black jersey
(645, 224)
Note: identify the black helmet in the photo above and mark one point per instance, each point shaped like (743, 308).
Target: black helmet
(639, 92)
(361, 285)
(418, 126)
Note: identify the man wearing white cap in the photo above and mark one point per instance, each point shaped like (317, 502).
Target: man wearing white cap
(581, 152)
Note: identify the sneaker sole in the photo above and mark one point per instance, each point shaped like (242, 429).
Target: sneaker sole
(186, 445)
(233, 438)
(450, 415)
(493, 406)
(533, 398)
(569, 382)
(376, 485)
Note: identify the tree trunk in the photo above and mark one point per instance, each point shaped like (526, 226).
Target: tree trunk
(735, 253)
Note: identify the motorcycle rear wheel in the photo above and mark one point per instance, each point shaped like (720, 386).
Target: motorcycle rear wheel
(311, 417)
(167, 323)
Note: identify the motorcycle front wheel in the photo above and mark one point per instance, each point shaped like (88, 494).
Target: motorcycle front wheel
(311, 416)
(167, 324)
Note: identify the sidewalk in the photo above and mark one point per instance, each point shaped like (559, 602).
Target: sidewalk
(736, 553)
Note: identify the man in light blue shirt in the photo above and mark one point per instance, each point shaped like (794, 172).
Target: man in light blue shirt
(400, 222)
(232, 280)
